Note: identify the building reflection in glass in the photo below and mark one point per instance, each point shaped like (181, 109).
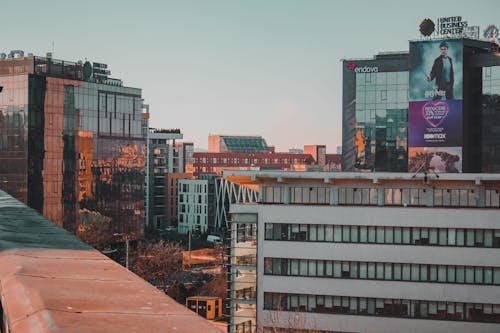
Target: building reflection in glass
(73, 150)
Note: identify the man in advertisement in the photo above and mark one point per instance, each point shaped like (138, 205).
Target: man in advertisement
(442, 71)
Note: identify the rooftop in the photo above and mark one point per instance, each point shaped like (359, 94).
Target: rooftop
(52, 282)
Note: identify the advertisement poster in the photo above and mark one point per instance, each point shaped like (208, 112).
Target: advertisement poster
(435, 124)
(435, 159)
(435, 115)
(436, 70)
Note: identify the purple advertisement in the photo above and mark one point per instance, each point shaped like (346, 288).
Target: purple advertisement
(435, 124)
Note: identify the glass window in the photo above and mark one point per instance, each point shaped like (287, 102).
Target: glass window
(329, 233)
(329, 268)
(406, 272)
(460, 274)
(460, 235)
(406, 235)
(380, 235)
(433, 236)
(337, 233)
(337, 269)
(451, 274)
(312, 268)
(371, 234)
(303, 267)
(354, 234)
(371, 270)
(478, 275)
(294, 266)
(388, 271)
(398, 235)
(320, 268)
(363, 234)
(363, 270)
(469, 275)
(397, 272)
(346, 233)
(269, 231)
(441, 273)
(389, 235)
(321, 232)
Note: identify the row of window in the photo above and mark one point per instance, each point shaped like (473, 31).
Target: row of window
(392, 196)
(385, 307)
(383, 235)
(382, 271)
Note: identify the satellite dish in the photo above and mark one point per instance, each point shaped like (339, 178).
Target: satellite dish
(427, 27)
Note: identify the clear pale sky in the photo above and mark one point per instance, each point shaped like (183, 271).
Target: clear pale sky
(269, 67)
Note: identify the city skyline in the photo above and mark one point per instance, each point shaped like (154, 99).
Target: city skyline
(262, 68)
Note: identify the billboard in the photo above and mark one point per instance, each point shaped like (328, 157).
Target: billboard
(435, 115)
(437, 159)
(436, 70)
(435, 124)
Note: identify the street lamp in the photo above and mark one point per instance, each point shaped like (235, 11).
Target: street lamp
(126, 246)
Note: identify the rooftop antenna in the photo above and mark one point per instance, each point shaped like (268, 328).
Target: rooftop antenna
(52, 48)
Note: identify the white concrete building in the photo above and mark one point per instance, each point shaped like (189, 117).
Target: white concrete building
(192, 205)
(378, 252)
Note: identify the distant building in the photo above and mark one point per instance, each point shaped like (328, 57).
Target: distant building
(237, 144)
(318, 152)
(296, 151)
(216, 162)
(187, 154)
(71, 142)
(162, 161)
(173, 195)
(197, 204)
(192, 207)
(206, 306)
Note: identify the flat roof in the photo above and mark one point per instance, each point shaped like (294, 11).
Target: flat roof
(256, 177)
(52, 282)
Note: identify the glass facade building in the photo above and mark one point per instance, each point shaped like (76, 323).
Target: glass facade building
(71, 148)
(386, 130)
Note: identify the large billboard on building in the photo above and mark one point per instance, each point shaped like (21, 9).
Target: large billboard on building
(435, 117)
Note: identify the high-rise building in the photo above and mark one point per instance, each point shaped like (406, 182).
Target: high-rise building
(71, 144)
(432, 108)
(365, 252)
(162, 160)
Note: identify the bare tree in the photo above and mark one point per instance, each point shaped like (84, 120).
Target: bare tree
(96, 233)
(216, 287)
(282, 321)
(157, 262)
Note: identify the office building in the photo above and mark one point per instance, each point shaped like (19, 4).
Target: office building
(318, 153)
(173, 195)
(398, 116)
(366, 252)
(71, 142)
(215, 163)
(162, 161)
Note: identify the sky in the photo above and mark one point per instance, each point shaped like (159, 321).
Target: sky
(261, 67)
